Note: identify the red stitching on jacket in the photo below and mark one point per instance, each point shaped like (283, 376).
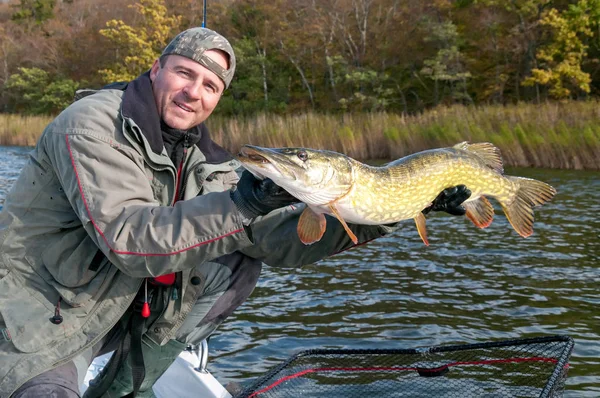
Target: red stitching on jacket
(104, 237)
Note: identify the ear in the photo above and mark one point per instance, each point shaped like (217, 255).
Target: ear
(154, 70)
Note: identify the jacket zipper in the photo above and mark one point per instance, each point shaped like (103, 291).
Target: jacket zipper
(178, 180)
(176, 198)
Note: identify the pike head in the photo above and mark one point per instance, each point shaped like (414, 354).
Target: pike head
(315, 177)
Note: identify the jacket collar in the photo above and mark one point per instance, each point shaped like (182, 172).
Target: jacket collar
(138, 104)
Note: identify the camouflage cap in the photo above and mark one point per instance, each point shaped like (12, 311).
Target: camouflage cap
(194, 42)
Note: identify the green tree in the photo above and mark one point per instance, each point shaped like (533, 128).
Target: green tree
(34, 91)
(446, 68)
(518, 23)
(136, 47)
(369, 91)
(263, 65)
(37, 11)
(561, 59)
(245, 96)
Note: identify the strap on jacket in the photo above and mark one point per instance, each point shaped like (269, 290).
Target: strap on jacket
(131, 344)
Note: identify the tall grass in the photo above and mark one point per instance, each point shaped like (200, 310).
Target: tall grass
(21, 130)
(556, 135)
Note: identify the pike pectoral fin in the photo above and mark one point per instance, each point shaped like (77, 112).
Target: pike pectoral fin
(311, 226)
(421, 227)
(346, 227)
(480, 212)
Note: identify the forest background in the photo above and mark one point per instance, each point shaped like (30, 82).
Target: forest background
(376, 79)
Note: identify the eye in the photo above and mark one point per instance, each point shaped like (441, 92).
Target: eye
(303, 156)
(211, 87)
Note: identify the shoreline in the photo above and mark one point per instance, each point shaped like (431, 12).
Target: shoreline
(556, 135)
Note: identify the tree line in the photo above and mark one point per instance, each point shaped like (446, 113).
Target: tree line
(400, 56)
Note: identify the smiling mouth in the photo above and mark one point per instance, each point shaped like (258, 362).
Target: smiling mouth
(183, 107)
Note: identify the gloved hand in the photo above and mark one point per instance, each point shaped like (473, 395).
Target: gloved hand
(254, 197)
(450, 200)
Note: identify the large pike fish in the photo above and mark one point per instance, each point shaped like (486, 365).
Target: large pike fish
(333, 183)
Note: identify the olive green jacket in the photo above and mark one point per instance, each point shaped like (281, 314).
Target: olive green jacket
(93, 213)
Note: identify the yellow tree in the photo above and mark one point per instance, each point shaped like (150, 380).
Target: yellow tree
(561, 59)
(138, 46)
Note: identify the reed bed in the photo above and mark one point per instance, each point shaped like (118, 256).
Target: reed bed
(21, 130)
(553, 135)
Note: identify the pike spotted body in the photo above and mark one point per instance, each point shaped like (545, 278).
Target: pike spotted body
(333, 183)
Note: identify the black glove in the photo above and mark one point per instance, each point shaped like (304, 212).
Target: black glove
(254, 197)
(450, 200)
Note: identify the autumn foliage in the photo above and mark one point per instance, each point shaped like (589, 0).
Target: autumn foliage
(307, 55)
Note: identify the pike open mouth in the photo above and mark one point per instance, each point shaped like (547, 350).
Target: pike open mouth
(253, 155)
(270, 164)
(258, 159)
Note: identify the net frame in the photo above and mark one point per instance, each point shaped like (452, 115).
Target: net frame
(551, 389)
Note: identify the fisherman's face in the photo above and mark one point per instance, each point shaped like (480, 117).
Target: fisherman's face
(186, 92)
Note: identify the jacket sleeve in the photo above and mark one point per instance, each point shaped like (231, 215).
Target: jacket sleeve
(278, 245)
(111, 194)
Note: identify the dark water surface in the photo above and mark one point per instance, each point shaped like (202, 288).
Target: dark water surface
(468, 286)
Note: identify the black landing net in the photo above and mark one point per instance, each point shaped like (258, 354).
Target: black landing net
(535, 367)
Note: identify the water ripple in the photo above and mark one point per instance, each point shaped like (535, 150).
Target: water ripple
(468, 286)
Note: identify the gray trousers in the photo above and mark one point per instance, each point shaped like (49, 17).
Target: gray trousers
(229, 281)
(60, 382)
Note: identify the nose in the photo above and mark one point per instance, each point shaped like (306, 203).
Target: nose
(192, 90)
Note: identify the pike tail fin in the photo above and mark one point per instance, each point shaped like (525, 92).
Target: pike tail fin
(531, 193)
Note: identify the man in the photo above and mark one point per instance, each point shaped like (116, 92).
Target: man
(128, 230)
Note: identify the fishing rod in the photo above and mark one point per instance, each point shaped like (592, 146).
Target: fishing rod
(204, 14)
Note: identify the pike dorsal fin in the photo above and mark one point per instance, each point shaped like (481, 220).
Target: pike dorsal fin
(480, 212)
(487, 152)
(311, 226)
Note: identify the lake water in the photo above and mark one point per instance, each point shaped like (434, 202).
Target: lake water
(468, 286)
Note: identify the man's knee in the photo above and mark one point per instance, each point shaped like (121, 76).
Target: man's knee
(60, 382)
(230, 280)
(45, 390)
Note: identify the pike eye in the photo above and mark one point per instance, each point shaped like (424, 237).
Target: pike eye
(303, 156)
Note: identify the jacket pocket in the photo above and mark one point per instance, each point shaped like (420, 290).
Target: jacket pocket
(28, 319)
(72, 260)
(83, 296)
(77, 269)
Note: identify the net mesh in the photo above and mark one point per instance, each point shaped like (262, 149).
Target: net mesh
(515, 368)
